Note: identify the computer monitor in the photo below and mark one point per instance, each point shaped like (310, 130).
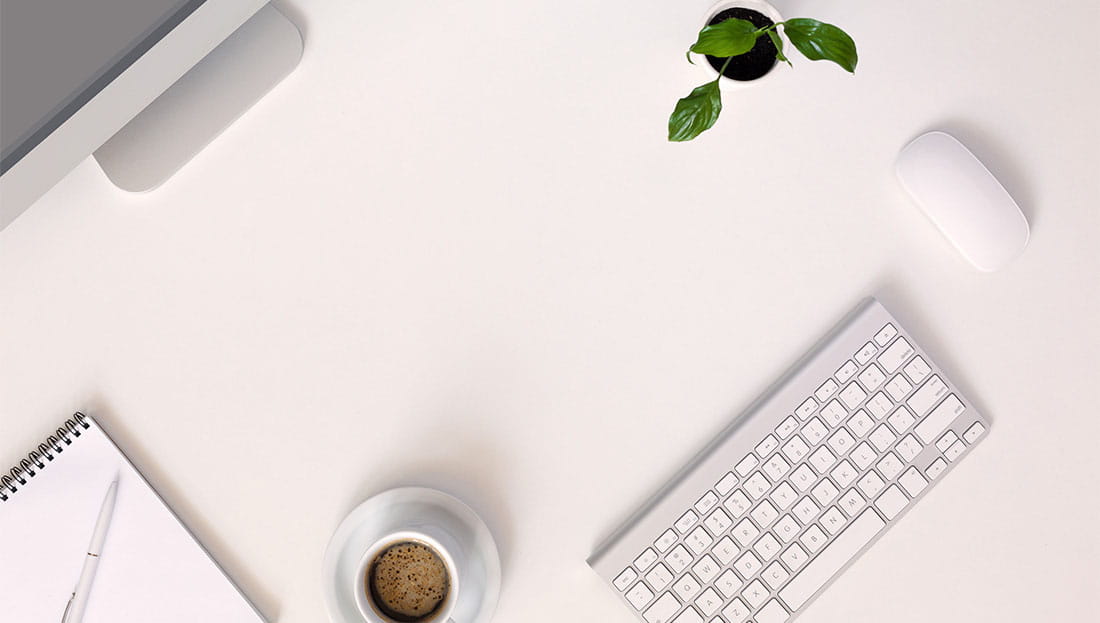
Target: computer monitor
(73, 74)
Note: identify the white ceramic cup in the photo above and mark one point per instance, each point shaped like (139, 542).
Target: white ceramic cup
(371, 612)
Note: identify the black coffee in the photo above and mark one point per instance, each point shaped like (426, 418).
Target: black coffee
(408, 582)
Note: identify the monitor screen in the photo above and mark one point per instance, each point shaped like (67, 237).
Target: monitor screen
(56, 55)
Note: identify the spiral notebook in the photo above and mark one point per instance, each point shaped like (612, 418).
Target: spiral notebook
(151, 568)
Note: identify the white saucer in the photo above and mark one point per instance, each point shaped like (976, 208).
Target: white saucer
(373, 520)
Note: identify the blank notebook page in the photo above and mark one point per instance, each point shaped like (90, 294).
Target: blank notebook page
(151, 568)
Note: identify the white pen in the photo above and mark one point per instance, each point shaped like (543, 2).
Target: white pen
(74, 611)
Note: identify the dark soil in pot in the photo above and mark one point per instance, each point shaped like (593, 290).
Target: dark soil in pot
(757, 61)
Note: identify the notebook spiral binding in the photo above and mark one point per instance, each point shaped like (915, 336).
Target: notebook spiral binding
(54, 444)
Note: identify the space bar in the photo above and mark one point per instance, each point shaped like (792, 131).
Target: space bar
(837, 554)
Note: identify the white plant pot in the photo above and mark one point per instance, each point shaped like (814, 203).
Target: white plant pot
(727, 84)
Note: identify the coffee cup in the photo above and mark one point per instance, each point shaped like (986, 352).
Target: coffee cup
(409, 576)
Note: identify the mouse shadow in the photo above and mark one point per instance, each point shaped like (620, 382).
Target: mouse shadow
(1004, 166)
(471, 469)
(161, 481)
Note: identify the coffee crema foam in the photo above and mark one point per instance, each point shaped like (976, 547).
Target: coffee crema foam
(408, 582)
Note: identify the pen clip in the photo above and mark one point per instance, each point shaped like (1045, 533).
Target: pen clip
(65, 615)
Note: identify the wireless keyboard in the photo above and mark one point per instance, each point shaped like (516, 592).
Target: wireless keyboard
(798, 486)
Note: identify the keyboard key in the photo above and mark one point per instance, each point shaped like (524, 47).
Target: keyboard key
(767, 547)
(787, 427)
(738, 503)
(726, 484)
(678, 559)
(726, 550)
(889, 466)
(639, 596)
(908, 448)
(912, 482)
(746, 465)
(844, 474)
(822, 459)
(825, 492)
(736, 611)
(860, 423)
(887, 333)
(625, 578)
(813, 538)
(706, 569)
(775, 575)
(708, 602)
(728, 583)
(757, 485)
(775, 467)
(928, 394)
(747, 565)
(827, 389)
(745, 532)
(864, 455)
(795, 449)
(872, 377)
(870, 484)
(645, 559)
(698, 541)
(851, 502)
(773, 612)
(665, 541)
(662, 610)
(852, 395)
(833, 520)
(833, 413)
(794, 557)
(764, 448)
(806, 409)
(917, 370)
(936, 468)
(865, 354)
(718, 522)
(786, 528)
(945, 442)
(814, 575)
(806, 510)
(942, 416)
(686, 521)
(755, 593)
(659, 577)
(764, 514)
(845, 372)
(882, 438)
(898, 387)
(783, 496)
(891, 501)
(688, 616)
(901, 419)
(897, 354)
(814, 431)
(706, 502)
(803, 477)
(686, 587)
(879, 405)
(955, 451)
(971, 435)
(841, 442)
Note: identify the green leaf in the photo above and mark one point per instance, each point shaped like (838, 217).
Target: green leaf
(695, 113)
(820, 41)
(731, 37)
(778, 43)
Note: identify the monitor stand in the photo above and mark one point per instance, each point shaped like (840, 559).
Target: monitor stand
(202, 103)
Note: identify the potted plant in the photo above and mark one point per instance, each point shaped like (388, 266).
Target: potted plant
(742, 44)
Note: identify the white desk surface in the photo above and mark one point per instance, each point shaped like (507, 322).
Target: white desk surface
(454, 249)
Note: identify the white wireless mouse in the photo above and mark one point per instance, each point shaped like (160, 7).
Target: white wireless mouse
(963, 199)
